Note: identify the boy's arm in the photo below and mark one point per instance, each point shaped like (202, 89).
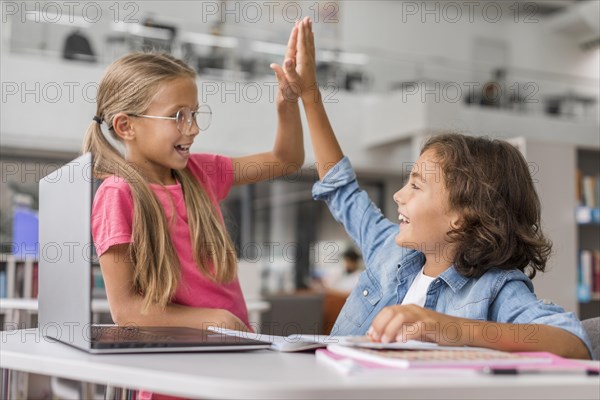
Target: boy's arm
(406, 322)
(527, 337)
(304, 78)
(287, 155)
(519, 321)
(348, 204)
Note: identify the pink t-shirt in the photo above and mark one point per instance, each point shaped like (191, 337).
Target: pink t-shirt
(112, 215)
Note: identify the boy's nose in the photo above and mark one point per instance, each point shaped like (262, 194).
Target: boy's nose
(397, 197)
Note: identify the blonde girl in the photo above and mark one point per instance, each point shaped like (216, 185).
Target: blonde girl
(165, 254)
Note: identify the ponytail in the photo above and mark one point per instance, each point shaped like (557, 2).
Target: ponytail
(151, 275)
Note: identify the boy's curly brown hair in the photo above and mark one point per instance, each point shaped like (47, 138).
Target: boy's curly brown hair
(489, 184)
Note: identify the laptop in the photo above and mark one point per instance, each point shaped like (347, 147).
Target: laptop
(65, 278)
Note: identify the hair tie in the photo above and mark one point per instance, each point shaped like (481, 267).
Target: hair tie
(97, 119)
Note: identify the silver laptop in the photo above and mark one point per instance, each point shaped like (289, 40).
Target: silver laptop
(65, 278)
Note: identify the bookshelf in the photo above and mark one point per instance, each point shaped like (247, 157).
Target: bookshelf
(18, 280)
(19, 292)
(18, 277)
(587, 216)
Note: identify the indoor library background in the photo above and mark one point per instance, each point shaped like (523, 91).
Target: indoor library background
(391, 74)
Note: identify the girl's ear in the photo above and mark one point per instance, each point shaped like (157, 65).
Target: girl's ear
(123, 127)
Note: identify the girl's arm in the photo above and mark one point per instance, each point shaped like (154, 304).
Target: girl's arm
(287, 155)
(126, 305)
(326, 147)
(406, 322)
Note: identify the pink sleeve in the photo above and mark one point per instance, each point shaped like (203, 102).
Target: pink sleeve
(112, 215)
(214, 171)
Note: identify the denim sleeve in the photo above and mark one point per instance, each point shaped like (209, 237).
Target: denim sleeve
(516, 303)
(352, 207)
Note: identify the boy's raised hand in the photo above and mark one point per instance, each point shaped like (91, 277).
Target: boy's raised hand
(303, 78)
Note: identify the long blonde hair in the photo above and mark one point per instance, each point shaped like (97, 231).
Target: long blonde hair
(128, 86)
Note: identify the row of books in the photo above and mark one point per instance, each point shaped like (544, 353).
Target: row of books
(588, 190)
(588, 287)
(19, 279)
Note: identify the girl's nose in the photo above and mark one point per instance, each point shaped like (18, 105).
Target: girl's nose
(194, 130)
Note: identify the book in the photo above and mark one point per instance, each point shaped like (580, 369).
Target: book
(584, 285)
(596, 273)
(589, 191)
(351, 367)
(34, 281)
(435, 358)
(365, 342)
(3, 291)
(550, 363)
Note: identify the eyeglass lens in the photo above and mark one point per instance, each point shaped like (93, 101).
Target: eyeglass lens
(185, 119)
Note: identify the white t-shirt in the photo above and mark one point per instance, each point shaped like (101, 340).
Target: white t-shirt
(417, 292)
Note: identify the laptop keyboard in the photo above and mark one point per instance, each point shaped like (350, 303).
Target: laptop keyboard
(127, 334)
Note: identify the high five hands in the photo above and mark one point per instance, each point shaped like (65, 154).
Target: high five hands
(298, 77)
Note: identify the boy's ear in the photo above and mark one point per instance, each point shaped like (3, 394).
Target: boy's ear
(123, 127)
(456, 220)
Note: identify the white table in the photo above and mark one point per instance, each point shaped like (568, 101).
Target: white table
(265, 374)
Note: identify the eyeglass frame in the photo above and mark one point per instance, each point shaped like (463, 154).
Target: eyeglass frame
(193, 114)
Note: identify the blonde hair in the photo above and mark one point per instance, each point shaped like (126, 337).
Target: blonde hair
(128, 86)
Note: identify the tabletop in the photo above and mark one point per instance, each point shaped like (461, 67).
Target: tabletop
(266, 374)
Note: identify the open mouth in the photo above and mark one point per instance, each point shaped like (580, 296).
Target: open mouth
(183, 148)
(403, 219)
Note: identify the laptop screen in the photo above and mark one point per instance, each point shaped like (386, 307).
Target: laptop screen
(66, 253)
(65, 277)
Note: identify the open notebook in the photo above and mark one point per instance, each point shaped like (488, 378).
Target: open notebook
(299, 342)
(283, 343)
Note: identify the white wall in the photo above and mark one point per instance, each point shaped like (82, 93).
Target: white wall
(553, 183)
(395, 30)
(49, 105)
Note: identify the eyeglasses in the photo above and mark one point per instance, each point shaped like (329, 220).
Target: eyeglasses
(186, 117)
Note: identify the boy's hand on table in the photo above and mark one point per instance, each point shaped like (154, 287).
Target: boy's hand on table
(401, 323)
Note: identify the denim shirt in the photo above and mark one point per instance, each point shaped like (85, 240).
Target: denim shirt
(499, 295)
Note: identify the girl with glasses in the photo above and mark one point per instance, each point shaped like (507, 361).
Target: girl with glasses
(165, 254)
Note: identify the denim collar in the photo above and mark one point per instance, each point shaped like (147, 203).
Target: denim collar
(453, 279)
(415, 260)
(411, 264)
